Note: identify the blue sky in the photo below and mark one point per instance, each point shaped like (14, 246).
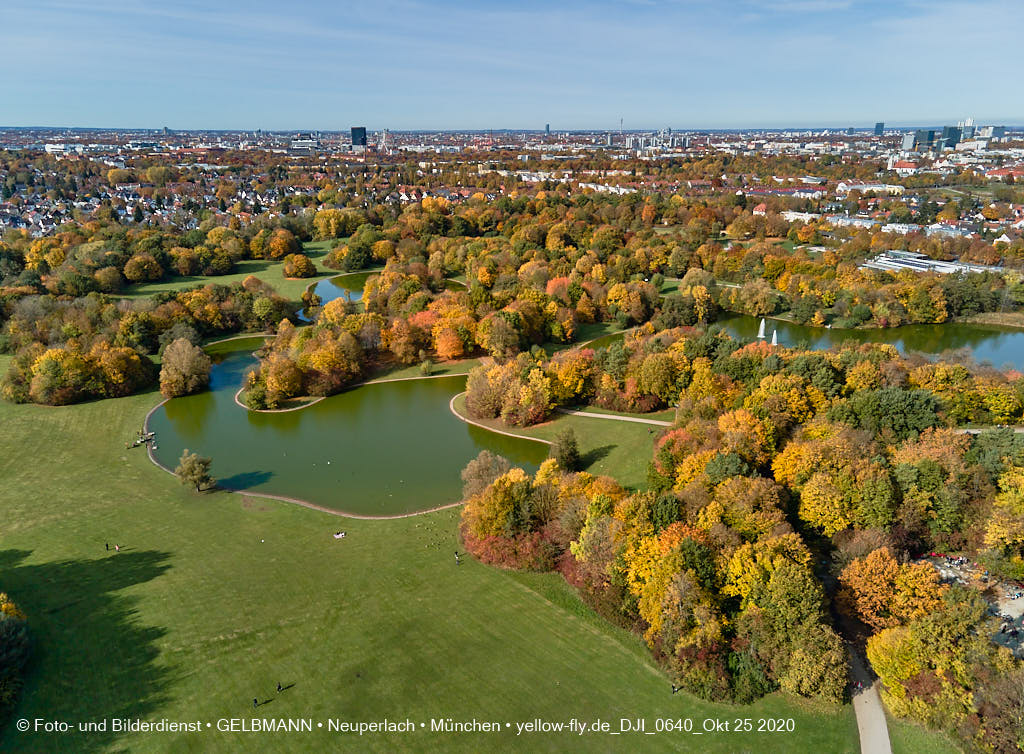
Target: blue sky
(440, 64)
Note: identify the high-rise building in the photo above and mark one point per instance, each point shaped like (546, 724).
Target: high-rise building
(358, 136)
(924, 139)
(950, 137)
(547, 129)
(908, 142)
(879, 128)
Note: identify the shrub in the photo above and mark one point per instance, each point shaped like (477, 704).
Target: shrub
(298, 266)
(565, 450)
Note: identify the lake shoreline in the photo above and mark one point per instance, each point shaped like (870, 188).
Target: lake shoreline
(392, 448)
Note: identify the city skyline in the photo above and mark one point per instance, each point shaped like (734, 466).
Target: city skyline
(401, 64)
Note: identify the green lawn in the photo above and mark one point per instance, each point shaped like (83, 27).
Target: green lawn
(670, 286)
(447, 368)
(266, 270)
(216, 598)
(613, 448)
(593, 330)
(911, 738)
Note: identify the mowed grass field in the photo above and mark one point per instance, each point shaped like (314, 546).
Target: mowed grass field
(608, 447)
(911, 738)
(269, 271)
(216, 598)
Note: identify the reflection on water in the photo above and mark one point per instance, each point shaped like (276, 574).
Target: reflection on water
(956, 341)
(986, 343)
(341, 286)
(376, 450)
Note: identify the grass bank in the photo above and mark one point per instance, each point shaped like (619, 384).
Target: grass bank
(216, 598)
(269, 271)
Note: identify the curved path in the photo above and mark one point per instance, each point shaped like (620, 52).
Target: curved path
(867, 705)
(324, 509)
(282, 498)
(451, 407)
(623, 333)
(317, 399)
(238, 402)
(241, 336)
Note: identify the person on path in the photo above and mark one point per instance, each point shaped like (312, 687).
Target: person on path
(117, 548)
(278, 687)
(255, 702)
(107, 545)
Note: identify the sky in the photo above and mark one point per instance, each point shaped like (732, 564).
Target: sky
(479, 64)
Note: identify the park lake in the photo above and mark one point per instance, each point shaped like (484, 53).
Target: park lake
(340, 286)
(998, 346)
(383, 449)
(393, 448)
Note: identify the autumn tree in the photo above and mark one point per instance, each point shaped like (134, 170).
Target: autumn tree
(501, 508)
(1005, 528)
(786, 626)
(882, 592)
(194, 469)
(143, 268)
(298, 266)
(185, 369)
(282, 242)
(932, 668)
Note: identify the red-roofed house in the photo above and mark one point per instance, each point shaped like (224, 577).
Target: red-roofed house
(905, 167)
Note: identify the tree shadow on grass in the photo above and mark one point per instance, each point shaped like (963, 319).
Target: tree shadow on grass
(245, 480)
(594, 455)
(91, 656)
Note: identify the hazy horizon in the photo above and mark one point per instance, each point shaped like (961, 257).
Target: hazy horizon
(502, 129)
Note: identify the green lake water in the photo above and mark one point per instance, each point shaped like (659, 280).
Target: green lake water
(955, 341)
(395, 448)
(998, 346)
(381, 449)
(341, 286)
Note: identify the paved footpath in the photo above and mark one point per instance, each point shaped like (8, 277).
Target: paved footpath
(867, 705)
(979, 430)
(634, 419)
